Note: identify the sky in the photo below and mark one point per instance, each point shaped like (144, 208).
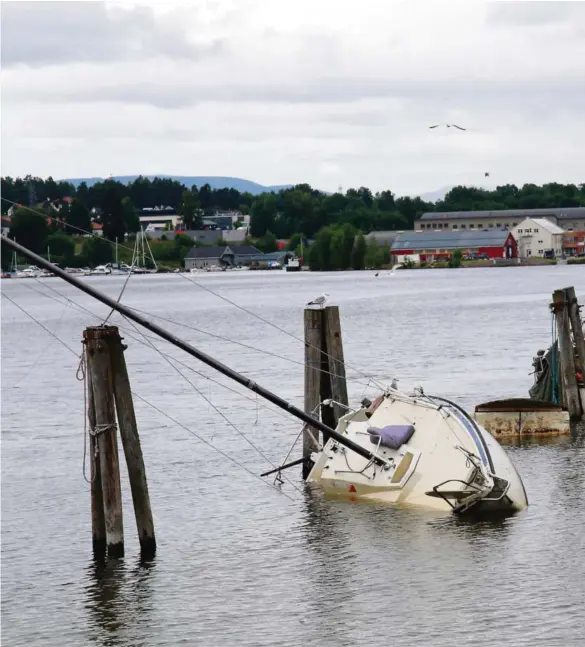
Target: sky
(330, 92)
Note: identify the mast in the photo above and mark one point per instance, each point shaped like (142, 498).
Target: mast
(194, 352)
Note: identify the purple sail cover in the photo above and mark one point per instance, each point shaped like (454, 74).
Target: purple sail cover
(391, 436)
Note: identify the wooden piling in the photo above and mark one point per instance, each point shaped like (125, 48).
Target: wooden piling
(578, 338)
(98, 521)
(313, 320)
(335, 363)
(100, 371)
(571, 398)
(131, 444)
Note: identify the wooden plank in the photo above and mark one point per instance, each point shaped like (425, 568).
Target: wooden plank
(132, 449)
(313, 320)
(571, 398)
(98, 360)
(335, 365)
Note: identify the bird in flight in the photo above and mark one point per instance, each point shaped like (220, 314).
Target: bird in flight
(486, 174)
(319, 301)
(448, 126)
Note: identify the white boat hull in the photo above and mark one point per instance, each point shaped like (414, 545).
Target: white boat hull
(449, 462)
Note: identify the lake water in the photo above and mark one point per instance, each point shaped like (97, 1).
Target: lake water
(239, 563)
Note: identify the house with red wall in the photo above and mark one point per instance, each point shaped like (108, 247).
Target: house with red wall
(439, 245)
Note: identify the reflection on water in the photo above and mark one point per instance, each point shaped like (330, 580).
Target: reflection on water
(117, 598)
(239, 564)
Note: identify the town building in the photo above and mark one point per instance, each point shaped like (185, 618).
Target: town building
(574, 243)
(569, 218)
(228, 255)
(538, 237)
(270, 261)
(440, 245)
(159, 221)
(383, 238)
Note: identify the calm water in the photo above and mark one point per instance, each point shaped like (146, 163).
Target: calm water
(239, 563)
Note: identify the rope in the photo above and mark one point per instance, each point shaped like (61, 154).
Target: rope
(97, 430)
(81, 375)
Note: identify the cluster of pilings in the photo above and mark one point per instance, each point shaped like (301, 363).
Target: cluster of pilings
(571, 344)
(110, 408)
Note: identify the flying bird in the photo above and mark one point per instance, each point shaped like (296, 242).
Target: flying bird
(319, 301)
(486, 174)
(448, 126)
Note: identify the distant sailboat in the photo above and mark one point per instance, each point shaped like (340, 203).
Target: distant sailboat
(140, 255)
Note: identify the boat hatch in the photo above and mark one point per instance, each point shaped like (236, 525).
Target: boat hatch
(404, 469)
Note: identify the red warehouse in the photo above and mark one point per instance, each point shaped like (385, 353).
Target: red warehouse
(439, 245)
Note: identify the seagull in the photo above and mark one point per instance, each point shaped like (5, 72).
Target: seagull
(448, 126)
(319, 301)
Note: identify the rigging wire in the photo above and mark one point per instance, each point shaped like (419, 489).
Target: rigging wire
(83, 309)
(129, 274)
(277, 327)
(168, 358)
(216, 294)
(243, 345)
(209, 402)
(203, 440)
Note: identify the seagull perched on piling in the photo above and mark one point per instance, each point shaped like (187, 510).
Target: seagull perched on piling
(319, 301)
(448, 126)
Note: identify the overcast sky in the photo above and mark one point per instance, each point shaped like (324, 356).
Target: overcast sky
(329, 92)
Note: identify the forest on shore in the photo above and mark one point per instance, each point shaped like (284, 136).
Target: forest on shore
(338, 223)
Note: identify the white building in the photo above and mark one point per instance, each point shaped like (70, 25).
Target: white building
(538, 237)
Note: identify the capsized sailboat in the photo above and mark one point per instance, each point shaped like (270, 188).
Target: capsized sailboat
(399, 449)
(434, 455)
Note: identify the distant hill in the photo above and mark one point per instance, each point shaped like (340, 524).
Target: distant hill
(214, 182)
(434, 196)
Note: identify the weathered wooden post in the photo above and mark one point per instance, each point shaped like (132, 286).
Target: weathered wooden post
(104, 430)
(578, 337)
(324, 373)
(570, 389)
(98, 521)
(131, 445)
(335, 363)
(313, 341)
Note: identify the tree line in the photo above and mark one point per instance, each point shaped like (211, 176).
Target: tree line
(329, 219)
(297, 209)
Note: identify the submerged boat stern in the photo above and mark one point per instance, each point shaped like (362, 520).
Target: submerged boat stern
(426, 454)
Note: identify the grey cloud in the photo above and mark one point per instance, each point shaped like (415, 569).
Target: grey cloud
(530, 14)
(48, 33)
(563, 93)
